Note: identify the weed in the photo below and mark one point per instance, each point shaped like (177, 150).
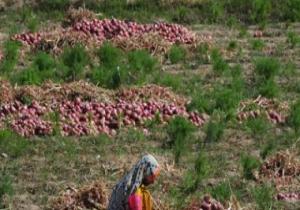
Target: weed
(226, 99)
(10, 56)
(219, 64)
(222, 191)
(267, 68)
(268, 148)
(293, 39)
(202, 54)
(232, 45)
(75, 59)
(263, 196)
(257, 127)
(199, 102)
(294, 117)
(268, 88)
(179, 131)
(249, 163)
(5, 186)
(169, 80)
(214, 132)
(27, 77)
(176, 54)
(289, 70)
(44, 62)
(257, 44)
(109, 55)
(12, 144)
(261, 10)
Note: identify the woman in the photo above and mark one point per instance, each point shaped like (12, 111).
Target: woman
(130, 193)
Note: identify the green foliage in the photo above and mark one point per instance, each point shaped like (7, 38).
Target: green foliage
(12, 144)
(219, 64)
(6, 187)
(263, 196)
(268, 88)
(202, 54)
(294, 117)
(214, 132)
(267, 68)
(226, 99)
(261, 10)
(179, 131)
(74, 59)
(169, 80)
(249, 163)
(10, 56)
(268, 148)
(48, 5)
(257, 44)
(257, 127)
(293, 39)
(199, 102)
(232, 45)
(44, 62)
(200, 171)
(176, 54)
(28, 76)
(141, 62)
(221, 192)
(109, 55)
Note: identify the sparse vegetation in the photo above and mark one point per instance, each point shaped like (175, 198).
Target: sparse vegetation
(176, 54)
(249, 163)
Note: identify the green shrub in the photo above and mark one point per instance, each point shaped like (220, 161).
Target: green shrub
(10, 56)
(75, 59)
(268, 88)
(176, 54)
(249, 163)
(263, 196)
(214, 132)
(293, 39)
(179, 131)
(221, 192)
(267, 68)
(257, 44)
(109, 55)
(294, 117)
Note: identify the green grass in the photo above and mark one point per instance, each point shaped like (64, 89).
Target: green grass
(257, 44)
(109, 55)
(293, 39)
(11, 54)
(176, 54)
(214, 132)
(294, 118)
(219, 64)
(263, 196)
(267, 68)
(257, 127)
(232, 45)
(222, 191)
(179, 132)
(249, 163)
(6, 187)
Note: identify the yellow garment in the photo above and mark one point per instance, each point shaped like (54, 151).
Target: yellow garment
(146, 198)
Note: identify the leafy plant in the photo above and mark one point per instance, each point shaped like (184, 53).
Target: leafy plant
(179, 131)
(109, 55)
(249, 163)
(176, 54)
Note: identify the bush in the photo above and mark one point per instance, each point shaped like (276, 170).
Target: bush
(249, 163)
(214, 132)
(74, 59)
(267, 68)
(263, 196)
(179, 131)
(294, 117)
(176, 54)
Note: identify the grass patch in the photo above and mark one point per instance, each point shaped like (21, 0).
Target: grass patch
(214, 132)
(263, 196)
(179, 132)
(257, 127)
(293, 39)
(6, 187)
(257, 44)
(218, 63)
(11, 53)
(267, 68)
(221, 192)
(249, 163)
(294, 117)
(176, 54)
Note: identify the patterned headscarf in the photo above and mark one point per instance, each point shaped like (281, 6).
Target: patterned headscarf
(147, 166)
